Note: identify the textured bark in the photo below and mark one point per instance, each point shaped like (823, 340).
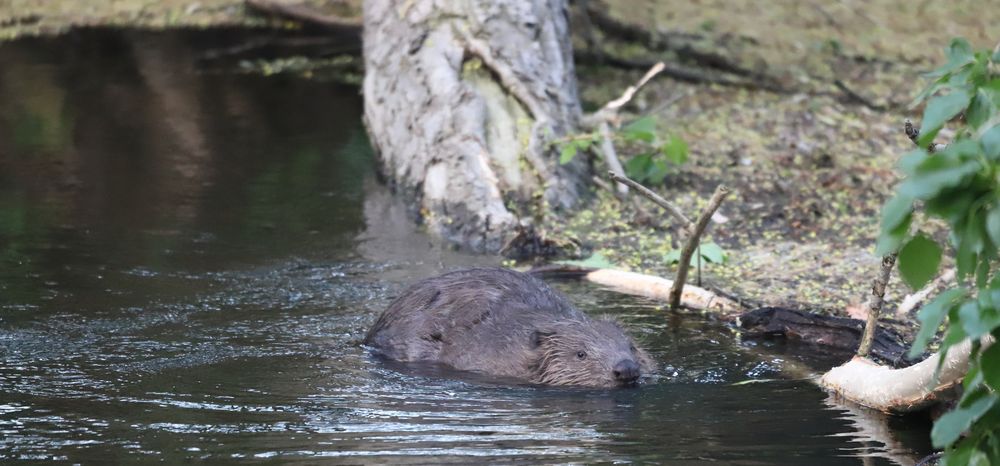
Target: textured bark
(461, 100)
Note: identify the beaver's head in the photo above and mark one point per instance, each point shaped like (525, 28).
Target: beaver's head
(592, 353)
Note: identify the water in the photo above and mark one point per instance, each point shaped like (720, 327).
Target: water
(189, 258)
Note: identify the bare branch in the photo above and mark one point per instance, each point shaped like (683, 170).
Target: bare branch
(914, 135)
(610, 110)
(610, 156)
(692, 243)
(670, 208)
(875, 308)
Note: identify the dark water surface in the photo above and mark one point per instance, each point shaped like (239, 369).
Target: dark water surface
(189, 258)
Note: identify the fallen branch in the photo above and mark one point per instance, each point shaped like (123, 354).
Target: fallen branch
(658, 288)
(857, 98)
(610, 155)
(875, 308)
(899, 390)
(692, 243)
(911, 301)
(677, 42)
(305, 14)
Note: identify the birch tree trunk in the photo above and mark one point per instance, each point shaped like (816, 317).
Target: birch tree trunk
(462, 101)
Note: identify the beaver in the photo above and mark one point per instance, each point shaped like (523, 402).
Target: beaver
(506, 323)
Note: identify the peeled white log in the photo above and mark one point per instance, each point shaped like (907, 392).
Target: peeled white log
(898, 390)
(692, 297)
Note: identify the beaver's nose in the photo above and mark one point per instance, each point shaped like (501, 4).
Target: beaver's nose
(626, 371)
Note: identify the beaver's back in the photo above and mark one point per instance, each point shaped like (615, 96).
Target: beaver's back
(467, 316)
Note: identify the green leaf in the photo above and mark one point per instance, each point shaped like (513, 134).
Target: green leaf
(993, 223)
(657, 171)
(642, 129)
(675, 150)
(896, 211)
(637, 167)
(939, 110)
(991, 143)
(980, 109)
(919, 260)
(990, 363)
(931, 316)
(978, 458)
(960, 50)
(977, 321)
(567, 153)
(931, 182)
(889, 241)
(909, 162)
(596, 261)
(672, 257)
(713, 253)
(950, 427)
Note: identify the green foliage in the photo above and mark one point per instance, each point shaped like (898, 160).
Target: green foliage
(710, 252)
(960, 185)
(651, 165)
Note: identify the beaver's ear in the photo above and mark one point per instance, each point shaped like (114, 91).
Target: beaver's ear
(539, 337)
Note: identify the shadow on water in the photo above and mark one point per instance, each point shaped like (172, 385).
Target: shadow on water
(189, 260)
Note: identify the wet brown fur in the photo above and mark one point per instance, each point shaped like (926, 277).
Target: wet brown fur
(505, 323)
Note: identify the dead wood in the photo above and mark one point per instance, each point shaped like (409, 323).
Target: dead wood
(877, 299)
(305, 14)
(693, 240)
(816, 329)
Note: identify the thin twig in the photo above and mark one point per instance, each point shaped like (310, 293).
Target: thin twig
(878, 298)
(692, 243)
(610, 110)
(670, 208)
(914, 135)
(610, 156)
(632, 90)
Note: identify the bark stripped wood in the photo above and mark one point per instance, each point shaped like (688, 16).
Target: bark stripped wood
(461, 100)
(693, 240)
(911, 301)
(875, 307)
(692, 297)
(899, 390)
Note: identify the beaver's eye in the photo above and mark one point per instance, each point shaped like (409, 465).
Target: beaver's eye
(631, 348)
(581, 355)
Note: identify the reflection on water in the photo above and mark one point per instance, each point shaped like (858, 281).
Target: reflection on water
(189, 259)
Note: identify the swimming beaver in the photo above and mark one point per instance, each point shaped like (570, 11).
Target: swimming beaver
(506, 323)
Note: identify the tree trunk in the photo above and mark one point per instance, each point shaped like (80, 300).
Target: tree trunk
(462, 101)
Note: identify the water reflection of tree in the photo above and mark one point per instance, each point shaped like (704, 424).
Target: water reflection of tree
(115, 140)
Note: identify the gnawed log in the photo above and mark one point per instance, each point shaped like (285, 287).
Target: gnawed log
(658, 288)
(864, 382)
